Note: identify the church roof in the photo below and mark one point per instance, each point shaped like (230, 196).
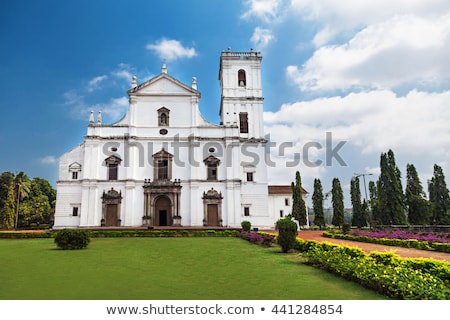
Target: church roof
(283, 190)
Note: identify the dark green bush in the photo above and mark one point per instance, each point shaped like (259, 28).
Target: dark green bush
(346, 228)
(287, 233)
(246, 225)
(72, 239)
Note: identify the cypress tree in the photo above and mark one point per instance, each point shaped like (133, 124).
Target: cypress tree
(358, 218)
(416, 203)
(317, 198)
(298, 204)
(337, 199)
(374, 203)
(390, 192)
(439, 197)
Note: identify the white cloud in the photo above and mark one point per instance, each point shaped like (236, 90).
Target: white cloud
(94, 84)
(334, 17)
(265, 10)
(115, 108)
(403, 50)
(261, 37)
(170, 50)
(124, 71)
(48, 160)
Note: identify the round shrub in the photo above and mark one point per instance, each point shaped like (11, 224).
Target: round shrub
(287, 233)
(72, 239)
(246, 225)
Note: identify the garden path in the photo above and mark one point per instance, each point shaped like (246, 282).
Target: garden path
(368, 247)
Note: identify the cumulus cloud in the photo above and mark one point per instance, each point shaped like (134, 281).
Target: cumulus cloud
(400, 51)
(265, 10)
(170, 50)
(335, 17)
(261, 37)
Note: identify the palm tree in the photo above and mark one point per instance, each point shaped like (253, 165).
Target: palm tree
(23, 187)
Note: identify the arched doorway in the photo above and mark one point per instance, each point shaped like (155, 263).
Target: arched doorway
(163, 211)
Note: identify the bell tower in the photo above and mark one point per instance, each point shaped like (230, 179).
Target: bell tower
(241, 101)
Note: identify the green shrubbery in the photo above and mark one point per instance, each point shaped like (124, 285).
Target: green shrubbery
(287, 233)
(72, 239)
(386, 273)
(246, 225)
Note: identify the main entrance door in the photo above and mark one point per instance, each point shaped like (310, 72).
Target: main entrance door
(213, 215)
(163, 211)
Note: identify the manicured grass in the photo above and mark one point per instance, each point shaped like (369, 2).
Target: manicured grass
(164, 269)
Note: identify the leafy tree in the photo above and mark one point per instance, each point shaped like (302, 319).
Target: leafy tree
(8, 209)
(7, 200)
(358, 218)
(439, 197)
(390, 191)
(416, 203)
(23, 185)
(337, 199)
(374, 203)
(34, 211)
(317, 198)
(298, 204)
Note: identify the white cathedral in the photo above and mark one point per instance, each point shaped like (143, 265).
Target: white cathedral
(163, 164)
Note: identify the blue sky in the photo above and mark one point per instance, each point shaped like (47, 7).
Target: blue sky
(376, 74)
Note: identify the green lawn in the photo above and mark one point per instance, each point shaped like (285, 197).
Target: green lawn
(164, 269)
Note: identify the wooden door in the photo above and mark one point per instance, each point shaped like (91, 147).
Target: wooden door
(213, 215)
(111, 215)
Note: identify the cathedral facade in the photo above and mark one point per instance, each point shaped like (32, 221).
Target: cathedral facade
(163, 164)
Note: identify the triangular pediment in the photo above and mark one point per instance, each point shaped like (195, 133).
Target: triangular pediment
(163, 84)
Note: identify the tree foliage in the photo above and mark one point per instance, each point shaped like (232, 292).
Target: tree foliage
(337, 199)
(317, 198)
(25, 203)
(358, 217)
(298, 204)
(390, 191)
(439, 197)
(416, 203)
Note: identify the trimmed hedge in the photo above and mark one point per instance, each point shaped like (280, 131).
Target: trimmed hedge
(411, 243)
(384, 272)
(126, 234)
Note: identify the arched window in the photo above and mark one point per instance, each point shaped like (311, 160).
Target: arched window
(163, 117)
(242, 81)
(112, 164)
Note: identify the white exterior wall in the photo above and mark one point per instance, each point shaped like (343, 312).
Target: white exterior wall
(137, 136)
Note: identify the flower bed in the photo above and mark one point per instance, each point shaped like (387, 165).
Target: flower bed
(403, 235)
(386, 273)
(377, 237)
(261, 238)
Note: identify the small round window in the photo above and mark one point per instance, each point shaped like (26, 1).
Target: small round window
(163, 131)
(211, 149)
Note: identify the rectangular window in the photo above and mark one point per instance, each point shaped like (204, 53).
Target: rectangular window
(246, 211)
(243, 122)
(281, 213)
(212, 172)
(75, 175)
(286, 201)
(112, 171)
(249, 176)
(163, 169)
(75, 211)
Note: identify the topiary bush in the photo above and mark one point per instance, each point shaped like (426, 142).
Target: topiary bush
(246, 225)
(287, 233)
(72, 239)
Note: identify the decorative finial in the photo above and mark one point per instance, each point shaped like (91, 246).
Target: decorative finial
(164, 68)
(194, 83)
(91, 118)
(134, 82)
(99, 118)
